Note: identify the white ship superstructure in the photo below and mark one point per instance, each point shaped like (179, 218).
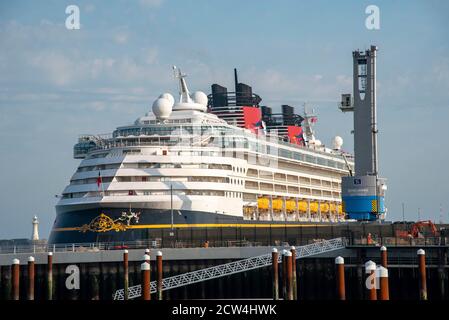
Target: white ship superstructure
(182, 163)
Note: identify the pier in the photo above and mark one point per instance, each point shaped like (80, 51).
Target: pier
(416, 270)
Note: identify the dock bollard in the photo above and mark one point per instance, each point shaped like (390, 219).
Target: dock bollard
(340, 266)
(370, 270)
(125, 275)
(147, 251)
(422, 274)
(284, 274)
(384, 292)
(275, 270)
(159, 274)
(50, 276)
(288, 258)
(15, 278)
(30, 291)
(383, 257)
(146, 289)
(147, 258)
(295, 284)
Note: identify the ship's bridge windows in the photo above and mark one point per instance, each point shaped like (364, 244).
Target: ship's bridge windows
(131, 151)
(73, 195)
(310, 158)
(298, 156)
(285, 153)
(321, 161)
(90, 181)
(98, 155)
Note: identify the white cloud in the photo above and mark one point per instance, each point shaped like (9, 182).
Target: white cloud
(58, 68)
(121, 38)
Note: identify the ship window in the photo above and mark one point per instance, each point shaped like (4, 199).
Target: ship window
(310, 159)
(297, 156)
(321, 161)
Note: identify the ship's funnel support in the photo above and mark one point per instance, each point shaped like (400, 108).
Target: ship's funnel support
(363, 194)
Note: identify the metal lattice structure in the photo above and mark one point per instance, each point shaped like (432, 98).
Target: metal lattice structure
(234, 267)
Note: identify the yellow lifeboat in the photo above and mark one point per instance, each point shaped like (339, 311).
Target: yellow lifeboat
(333, 208)
(302, 206)
(314, 207)
(263, 203)
(324, 207)
(340, 209)
(277, 204)
(290, 205)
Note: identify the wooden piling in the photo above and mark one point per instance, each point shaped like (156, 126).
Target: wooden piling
(275, 271)
(159, 274)
(6, 282)
(383, 257)
(15, 279)
(370, 283)
(146, 289)
(125, 275)
(384, 292)
(288, 258)
(284, 275)
(340, 266)
(30, 291)
(50, 276)
(94, 281)
(295, 281)
(422, 274)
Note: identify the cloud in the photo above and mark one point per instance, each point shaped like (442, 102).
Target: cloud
(57, 68)
(121, 38)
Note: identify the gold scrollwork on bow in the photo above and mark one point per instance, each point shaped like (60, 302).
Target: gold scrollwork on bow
(103, 223)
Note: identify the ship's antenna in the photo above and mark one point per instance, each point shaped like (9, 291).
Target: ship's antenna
(184, 95)
(310, 135)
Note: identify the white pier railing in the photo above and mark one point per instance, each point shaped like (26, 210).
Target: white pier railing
(231, 268)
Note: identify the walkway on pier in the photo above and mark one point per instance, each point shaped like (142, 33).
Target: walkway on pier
(234, 267)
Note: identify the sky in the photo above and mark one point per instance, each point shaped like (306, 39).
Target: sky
(56, 84)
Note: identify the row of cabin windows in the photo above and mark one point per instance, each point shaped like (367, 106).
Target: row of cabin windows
(153, 165)
(217, 193)
(155, 179)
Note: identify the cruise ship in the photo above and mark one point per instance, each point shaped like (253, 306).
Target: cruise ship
(202, 161)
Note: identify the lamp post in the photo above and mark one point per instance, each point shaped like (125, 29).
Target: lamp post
(171, 210)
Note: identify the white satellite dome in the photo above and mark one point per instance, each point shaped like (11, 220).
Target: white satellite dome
(337, 142)
(162, 108)
(200, 97)
(169, 97)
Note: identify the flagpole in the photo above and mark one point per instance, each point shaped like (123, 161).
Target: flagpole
(100, 183)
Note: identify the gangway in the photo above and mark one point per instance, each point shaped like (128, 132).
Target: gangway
(234, 267)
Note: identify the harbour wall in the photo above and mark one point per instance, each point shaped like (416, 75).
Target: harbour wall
(102, 273)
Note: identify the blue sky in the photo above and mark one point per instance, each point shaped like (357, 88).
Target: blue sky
(56, 83)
